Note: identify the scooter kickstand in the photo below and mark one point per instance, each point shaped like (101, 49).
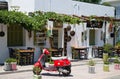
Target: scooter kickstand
(59, 73)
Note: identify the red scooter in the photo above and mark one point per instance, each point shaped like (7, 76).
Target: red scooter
(61, 64)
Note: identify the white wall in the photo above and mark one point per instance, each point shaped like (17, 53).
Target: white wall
(93, 9)
(38, 5)
(58, 6)
(3, 45)
(24, 5)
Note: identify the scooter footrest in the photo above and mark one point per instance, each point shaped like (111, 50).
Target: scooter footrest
(50, 68)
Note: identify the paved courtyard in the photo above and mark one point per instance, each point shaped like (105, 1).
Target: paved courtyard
(79, 71)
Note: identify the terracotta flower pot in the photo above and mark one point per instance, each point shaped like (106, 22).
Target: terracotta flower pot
(68, 38)
(2, 34)
(72, 33)
(68, 28)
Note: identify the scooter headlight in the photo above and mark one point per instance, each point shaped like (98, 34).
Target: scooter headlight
(58, 63)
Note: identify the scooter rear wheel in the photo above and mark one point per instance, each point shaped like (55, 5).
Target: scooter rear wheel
(69, 71)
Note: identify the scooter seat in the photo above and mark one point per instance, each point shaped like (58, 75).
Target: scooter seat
(59, 58)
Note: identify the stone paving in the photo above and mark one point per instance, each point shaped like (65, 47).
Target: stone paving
(79, 71)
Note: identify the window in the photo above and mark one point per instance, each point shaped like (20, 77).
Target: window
(15, 35)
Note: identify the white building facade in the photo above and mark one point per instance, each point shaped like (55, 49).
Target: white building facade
(68, 7)
(116, 4)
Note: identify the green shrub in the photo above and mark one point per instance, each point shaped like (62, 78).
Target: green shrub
(9, 60)
(107, 48)
(117, 61)
(106, 63)
(37, 70)
(106, 4)
(105, 57)
(117, 44)
(91, 62)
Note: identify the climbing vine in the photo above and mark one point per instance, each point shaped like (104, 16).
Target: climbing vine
(37, 20)
(29, 23)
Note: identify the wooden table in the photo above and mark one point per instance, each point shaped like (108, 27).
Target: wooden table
(28, 54)
(117, 51)
(82, 51)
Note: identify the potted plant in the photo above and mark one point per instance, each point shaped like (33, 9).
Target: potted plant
(37, 70)
(7, 65)
(91, 64)
(74, 53)
(10, 64)
(107, 50)
(117, 63)
(117, 44)
(106, 66)
(14, 64)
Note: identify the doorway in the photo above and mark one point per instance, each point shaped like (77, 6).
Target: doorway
(92, 37)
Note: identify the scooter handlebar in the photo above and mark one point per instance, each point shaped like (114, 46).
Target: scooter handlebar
(45, 51)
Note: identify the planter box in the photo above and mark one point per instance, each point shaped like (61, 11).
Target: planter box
(117, 66)
(7, 66)
(10, 66)
(37, 77)
(105, 57)
(106, 68)
(91, 69)
(14, 65)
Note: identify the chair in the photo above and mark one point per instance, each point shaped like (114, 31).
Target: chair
(83, 53)
(94, 51)
(100, 52)
(58, 53)
(21, 58)
(52, 47)
(30, 56)
(31, 48)
(118, 52)
(60, 50)
(11, 53)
